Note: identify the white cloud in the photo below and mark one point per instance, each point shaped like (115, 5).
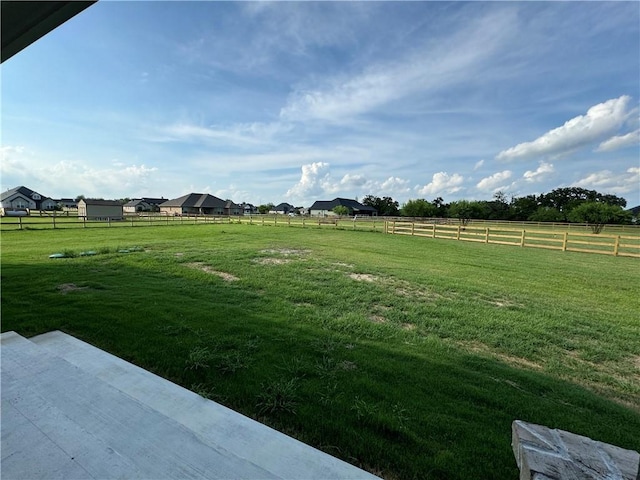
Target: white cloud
(541, 173)
(478, 164)
(600, 121)
(353, 180)
(394, 185)
(620, 141)
(67, 178)
(495, 182)
(442, 183)
(428, 67)
(605, 181)
(313, 182)
(233, 193)
(240, 134)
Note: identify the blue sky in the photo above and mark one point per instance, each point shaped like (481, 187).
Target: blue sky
(303, 101)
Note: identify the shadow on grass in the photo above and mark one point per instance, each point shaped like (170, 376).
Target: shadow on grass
(407, 406)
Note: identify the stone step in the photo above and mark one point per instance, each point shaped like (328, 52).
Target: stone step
(59, 421)
(214, 425)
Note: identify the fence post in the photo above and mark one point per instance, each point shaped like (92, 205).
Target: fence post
(54, 219)
(302, 222)
(616, 246)
(132, 220)
(393, 228)
(564, 241)
(20, 221)
(288, 220)
(433, 232)
(84, 222)
(413, 227)
(458, 235)
(486, 236)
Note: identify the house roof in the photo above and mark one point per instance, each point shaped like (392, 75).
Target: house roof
(104, 203)
(195, 200)
(345, 202)
(21, 190)
(283, 206)
(25, 22)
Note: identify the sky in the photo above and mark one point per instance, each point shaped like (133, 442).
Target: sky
(301, 101)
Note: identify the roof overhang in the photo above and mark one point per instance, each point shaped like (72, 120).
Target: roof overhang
(25, 22)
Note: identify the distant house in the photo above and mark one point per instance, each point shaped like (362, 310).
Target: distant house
(283, 209)
(23, 198)
(249, 209)
(194, 204)
(100, 209)
(325, 208)
(143, 205)
(67, 203)
(231, 208)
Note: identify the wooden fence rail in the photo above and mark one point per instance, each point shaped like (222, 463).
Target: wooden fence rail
(617, 245)
(568, 241)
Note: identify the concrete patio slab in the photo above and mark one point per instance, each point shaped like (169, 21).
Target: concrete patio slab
(93, 415)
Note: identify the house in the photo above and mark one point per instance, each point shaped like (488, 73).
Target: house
(249, 209)
(194, 204)
(231, 208)
(325, 208)
(283, 209)
(143, 205)
(22, 198)
(100, 209)
(67, 203)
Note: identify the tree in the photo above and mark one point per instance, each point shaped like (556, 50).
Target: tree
(440, 207)
(597, 215)
(340, 210)
(547, 214)
(265, 208)
(385, 206)
(566, 199)
(524, 207)
(466, 210)
(80, 197)
(418, 208)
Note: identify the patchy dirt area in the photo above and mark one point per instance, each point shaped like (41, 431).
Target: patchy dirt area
(478, 347)
(285, 251)
(343, 265)
(364, 277)
(227, 277)
(65, 288)
(272, 261)
(377, 319)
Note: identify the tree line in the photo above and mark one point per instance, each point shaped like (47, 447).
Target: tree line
(571, 204)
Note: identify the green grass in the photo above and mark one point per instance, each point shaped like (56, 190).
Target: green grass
(406, 356)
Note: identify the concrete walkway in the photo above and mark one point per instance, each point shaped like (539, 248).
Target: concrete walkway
(70, 410)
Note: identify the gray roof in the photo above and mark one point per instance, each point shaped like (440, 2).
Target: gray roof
(104, 203)
(345, 202)
(195, 200)
(27, 192)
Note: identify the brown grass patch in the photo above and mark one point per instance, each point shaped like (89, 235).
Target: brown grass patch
(272, 261)
(408, 326)
(377, 319)
(285, 251)
(364, 277)
(347, 365)
(65, 288)
(478, 347)
(227, 277)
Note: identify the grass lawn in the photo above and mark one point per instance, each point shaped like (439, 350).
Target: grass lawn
(409, 357)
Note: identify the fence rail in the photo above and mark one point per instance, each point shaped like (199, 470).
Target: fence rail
(617, 245)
